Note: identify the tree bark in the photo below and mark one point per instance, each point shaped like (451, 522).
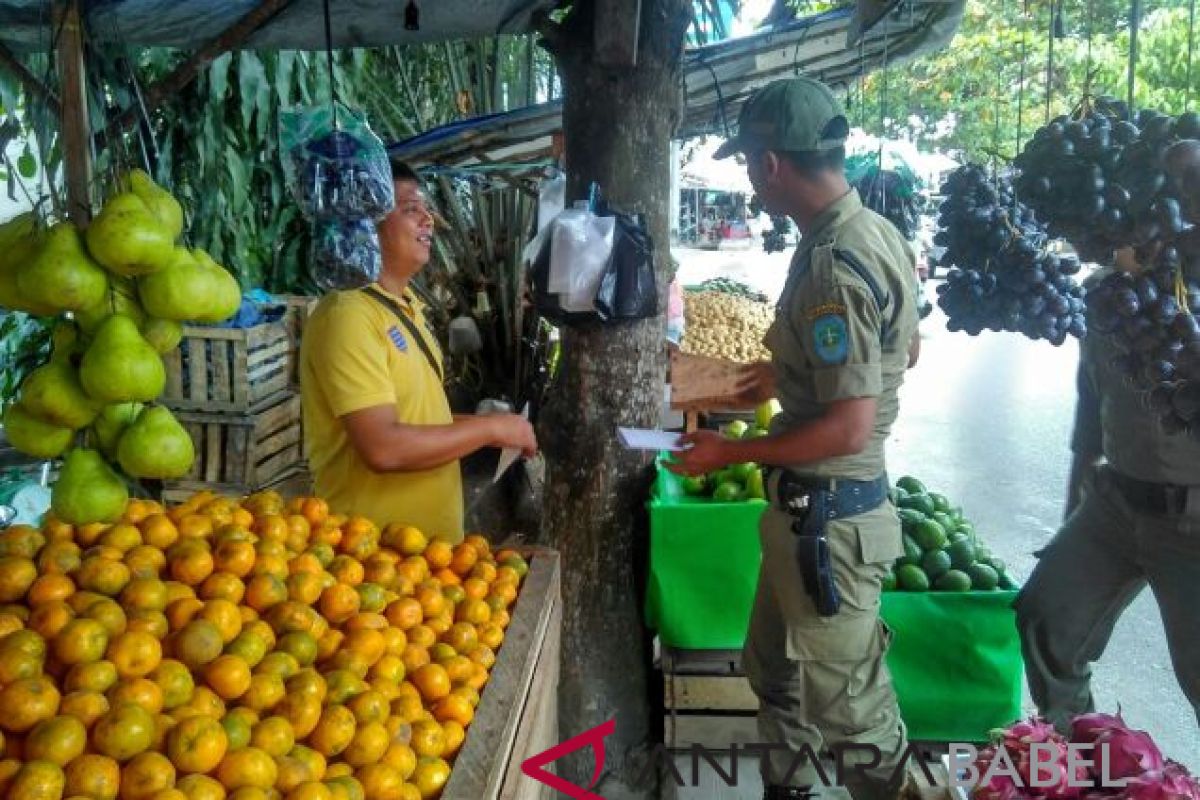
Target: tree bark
(618, 124)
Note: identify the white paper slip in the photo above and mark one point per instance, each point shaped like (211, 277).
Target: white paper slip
(509, 455)
(644, 439)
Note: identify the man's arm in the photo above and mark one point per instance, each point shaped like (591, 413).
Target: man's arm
(386, 445)
(844, 429)
(1087, 445)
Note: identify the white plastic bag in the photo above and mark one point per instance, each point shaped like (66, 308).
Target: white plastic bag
(552, 199)
(580, 247)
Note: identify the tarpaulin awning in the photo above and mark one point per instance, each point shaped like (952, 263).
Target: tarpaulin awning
(28, 24)
(835, 47)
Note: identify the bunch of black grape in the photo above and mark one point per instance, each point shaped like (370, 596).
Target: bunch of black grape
(1002, 276)
(1151, 318)
(1100, 181)
(890, 195)
(775, 240)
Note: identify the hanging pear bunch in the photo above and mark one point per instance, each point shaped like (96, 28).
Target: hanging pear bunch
(128, 286)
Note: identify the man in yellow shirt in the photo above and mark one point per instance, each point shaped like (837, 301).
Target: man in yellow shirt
(381, 439)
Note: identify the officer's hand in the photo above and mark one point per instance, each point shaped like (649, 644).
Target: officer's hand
(705, 452)
(756, 383)
(513, 430)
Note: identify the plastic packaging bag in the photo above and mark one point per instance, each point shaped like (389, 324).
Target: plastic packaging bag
(552, 199)
(335, 172)
(627, 288)
(580, 246)
(344, 253)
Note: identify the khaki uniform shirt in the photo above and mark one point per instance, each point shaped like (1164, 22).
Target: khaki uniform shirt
(843, 326)
(1110, 419)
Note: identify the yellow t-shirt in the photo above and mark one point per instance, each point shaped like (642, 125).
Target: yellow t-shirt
(356, 354)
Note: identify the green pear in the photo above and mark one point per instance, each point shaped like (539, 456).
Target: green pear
(227, 294)
(88, 490)
(119, 366)
(110, 423)
(62, 276)
(31, 436)
(128, 239)
(156, 446)
(183, 290)
(64, 341)
(53, 394)
(120, 299)
(20, 241)
(162, 204)
(164, 335)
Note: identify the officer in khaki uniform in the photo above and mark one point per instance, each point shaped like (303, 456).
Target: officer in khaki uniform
(1133, 518)
(840, 347)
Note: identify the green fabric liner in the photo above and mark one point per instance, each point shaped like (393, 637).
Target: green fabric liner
(955, 657)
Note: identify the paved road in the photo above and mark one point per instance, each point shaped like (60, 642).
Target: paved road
(986, 420)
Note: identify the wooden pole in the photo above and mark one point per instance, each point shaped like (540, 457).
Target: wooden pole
(31, 81)
(76, 126)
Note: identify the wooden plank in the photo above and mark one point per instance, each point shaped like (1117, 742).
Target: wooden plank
(214, 451)
(174, 364)
(699, 382)
(709, 730)
(197, 371)
(238, 446)
(706, 692)
(278, 464)
(539, 719)
(278, 348)
(277, 441)
(196, 431)
(479, 770)
(222, 380)
(241, 369)
(76, 122)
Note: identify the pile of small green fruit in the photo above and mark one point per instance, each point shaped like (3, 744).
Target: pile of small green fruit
(942, 552)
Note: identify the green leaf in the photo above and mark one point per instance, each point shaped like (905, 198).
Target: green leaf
(285, 64)
(27, 163)
(251, 78)
(218, 78)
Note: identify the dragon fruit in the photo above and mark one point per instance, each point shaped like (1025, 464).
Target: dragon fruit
(1130, 753)
(1172, 782)
(1086, 728)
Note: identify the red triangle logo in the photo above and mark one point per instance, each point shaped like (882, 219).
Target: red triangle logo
(534, 766)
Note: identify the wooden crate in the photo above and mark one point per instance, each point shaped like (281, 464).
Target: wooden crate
(245, 450)
(299, 309)
(232, 370)
(518, 712)
(295, 483)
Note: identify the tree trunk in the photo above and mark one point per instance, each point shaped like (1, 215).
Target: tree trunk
(618, 123)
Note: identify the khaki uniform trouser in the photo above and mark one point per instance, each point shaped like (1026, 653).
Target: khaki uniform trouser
(821, 681)
(1103, 557)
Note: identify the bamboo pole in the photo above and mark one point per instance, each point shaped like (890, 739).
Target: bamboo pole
(76, 127)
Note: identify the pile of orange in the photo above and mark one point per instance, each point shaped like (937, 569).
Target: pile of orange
(248, 650)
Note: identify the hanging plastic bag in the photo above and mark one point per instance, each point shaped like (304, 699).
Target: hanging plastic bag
(335, 170)
(552, 199)
(628, 289)
(344, 253)
(580, 246)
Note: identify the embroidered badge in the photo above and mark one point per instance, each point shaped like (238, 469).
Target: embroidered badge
(398, 339)
(824, 309)
(831, 338)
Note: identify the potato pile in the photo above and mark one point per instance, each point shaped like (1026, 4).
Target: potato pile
(722, 325)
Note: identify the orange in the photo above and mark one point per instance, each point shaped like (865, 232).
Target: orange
(84, 705)
(423, 636)
(302, 713)
(17, 574)
(480, 543)
(501, 619)
(94, 776)
(463, 637)
(48, 619)
(200, 787)
(292, 616)
(59, 557)
(304, 587)
(459, 668)
(96, 676)
(48, 588)
(123, 732)
(57, 740)
(447, 578)
(271, 565)
(10, 623)
(342, 685)
(395, 640)
(36, 780)
(414, 657)
(109, 614)
(134, 654)
(365, 620)
(22, 655)
(339, 602)
(438, 554)
(279, 663)
(265, 691)
(379, 781)
(454, 707)
(440, 624)
(145, 561)
(249, 648)
(247, 767)
(432, 601)
(367, 643)
(379, 569)
(226, 617)
(264, 591)
(259, 629)
(102, 575)
(182, 610)
(274, 736)
(175, 682)
(475, 589)
(26, 702)
(190, 561)
(430, 776)
(238, 724)
(456, 734)
(300, 645)
(506, 574)
(307, 683)
(491, 635)
(310, 790)
(369, 744)
(159, 531)
(428, 738)
(204, 701)
(484, 656)
(222, 586)
(401, 758)
(329, 643)
(87, 534)
(235, 557)
(414, 568)
(140, 691)
(152, 622)
(292, 773)
(370, 706)
(271, 527)
(314, 509)
(197, 644)
(145, 774)
(228, 676)
(463, 559)
(347, 570)
(299, 530)
(334, 731)
(122, 536)
(476, 612)
(432, 681)
(197, 744)
(314, 761)
(484, 571)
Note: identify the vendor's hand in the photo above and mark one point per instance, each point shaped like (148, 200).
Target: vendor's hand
(513, 430)
(705, 453)
(756, 383)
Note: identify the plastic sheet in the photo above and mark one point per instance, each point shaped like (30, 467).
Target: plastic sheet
(344, 254)
(335, 172)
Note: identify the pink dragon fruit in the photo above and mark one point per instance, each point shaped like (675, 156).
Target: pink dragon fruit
(1172, 782)
(998, 787)
(1086, 728)
(1129, 753)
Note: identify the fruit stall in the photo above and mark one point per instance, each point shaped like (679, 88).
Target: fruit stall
(955, 657)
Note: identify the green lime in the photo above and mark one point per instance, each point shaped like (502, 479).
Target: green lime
(693, 485)
(742, 472)
(910, 578)
(954, 580)
(935, 563)
(912, 551)
(888, 583)
(983, 577)
(997, 564)
(728, 492)
(754, 486)
(945, 520)
(962, 553)
(918, 502)
(897, 494)
(911, 485)
(755, 433)
(930, 536)
(735, 429)
(940, 503)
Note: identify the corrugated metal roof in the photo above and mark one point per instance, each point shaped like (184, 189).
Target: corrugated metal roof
(27, 24)
(718, 78)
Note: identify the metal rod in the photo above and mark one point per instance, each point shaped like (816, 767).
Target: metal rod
(1135, 22)
(76, 128)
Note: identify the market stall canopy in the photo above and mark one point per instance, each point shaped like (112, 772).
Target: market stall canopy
(25, 25)
(718, 79)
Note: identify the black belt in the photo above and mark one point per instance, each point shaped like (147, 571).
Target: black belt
(849, 498)
(1155, 498)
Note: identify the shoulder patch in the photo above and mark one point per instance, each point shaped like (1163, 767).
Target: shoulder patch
(825, 309)
(831, 339)
(398, 339)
